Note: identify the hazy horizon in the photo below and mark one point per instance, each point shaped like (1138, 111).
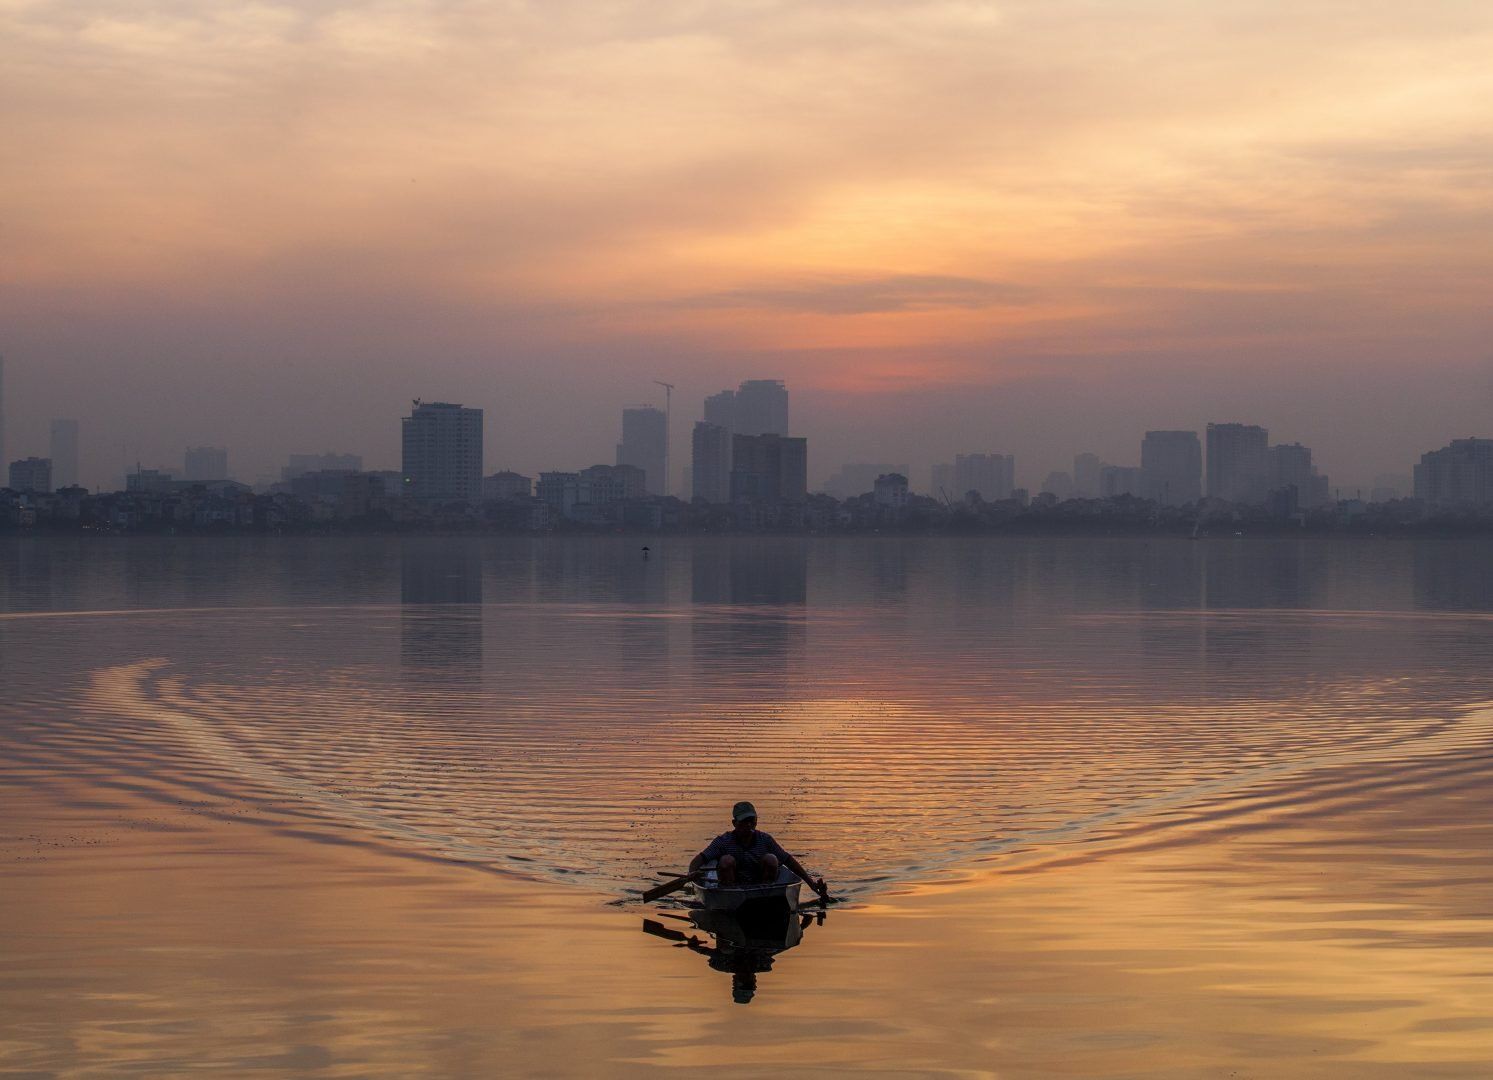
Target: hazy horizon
(1037, 229)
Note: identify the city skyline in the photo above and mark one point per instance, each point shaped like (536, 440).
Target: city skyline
(1039, 453)
(1360, 479)
(1171, 466)
(947, 225)
(442, 460)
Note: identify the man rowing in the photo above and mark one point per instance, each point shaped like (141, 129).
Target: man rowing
(747, 856)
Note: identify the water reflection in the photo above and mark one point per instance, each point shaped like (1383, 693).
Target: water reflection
(749, 621)
(741, 943)
(1454, 575)
(440, 593)
(523, 697)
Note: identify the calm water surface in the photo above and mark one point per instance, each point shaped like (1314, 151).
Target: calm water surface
(1098, 807)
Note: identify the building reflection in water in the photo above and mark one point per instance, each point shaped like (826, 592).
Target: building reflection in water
(762, 583)
(441, 618)
(742, 943)
(1452, 575)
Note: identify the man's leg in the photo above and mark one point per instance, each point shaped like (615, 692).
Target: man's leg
(769, 869)
(725, 870)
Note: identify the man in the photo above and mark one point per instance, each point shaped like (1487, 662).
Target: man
(749, 857)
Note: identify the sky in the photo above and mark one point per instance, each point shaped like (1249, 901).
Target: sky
(1032, 228)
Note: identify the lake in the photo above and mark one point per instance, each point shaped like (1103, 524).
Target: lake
(1093, 807)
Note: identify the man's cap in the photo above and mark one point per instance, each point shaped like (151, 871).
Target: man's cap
(742, 810)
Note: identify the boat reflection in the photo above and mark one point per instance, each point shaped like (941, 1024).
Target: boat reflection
(741, 943)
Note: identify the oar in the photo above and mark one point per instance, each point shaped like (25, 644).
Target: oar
(660, 930)
(650, 895)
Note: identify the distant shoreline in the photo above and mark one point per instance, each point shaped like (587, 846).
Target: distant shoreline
(1024, 531)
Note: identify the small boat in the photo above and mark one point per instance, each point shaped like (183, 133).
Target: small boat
(716, 897)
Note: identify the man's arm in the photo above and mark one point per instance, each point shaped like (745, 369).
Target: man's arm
(705, 856)
(793, 864)
(817, 884)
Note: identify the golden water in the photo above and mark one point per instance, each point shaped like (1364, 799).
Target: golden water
(1099, 808)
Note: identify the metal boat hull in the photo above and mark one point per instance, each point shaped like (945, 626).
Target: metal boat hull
(715, 897)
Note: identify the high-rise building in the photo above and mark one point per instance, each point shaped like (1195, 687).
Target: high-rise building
(1238, 463)
(33, 475)
(1086, 470)
(2, 408)
(1460, 474)
(1172, 464)
(761, 408)
(769, 468)
(720, 409)
(710, 462)
(300, 464)
(720, 412)
(645, 445)
(64, 445)
(205, 464)
(1291, 467)
(442, 452)
(992, 475)
(1290, 464)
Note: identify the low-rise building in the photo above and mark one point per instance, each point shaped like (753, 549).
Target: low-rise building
(507, 484)
(300, 464)
(890, 490)
(578, 495)
(156, 480)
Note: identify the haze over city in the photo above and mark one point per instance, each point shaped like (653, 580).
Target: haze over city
(1036, 229)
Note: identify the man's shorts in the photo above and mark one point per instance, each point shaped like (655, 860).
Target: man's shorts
(749, 869)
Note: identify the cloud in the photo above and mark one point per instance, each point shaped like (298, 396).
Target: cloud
(898, 198)
(898, 292)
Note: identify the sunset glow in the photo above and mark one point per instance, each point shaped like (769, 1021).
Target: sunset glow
(864, 198)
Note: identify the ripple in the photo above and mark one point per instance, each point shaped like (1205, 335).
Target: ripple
(544, 764)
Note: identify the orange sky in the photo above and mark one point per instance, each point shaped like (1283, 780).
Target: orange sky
(938, 221)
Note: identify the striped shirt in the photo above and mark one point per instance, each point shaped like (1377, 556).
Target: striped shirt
(759, 845)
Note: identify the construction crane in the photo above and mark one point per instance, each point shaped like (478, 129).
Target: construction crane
(668, 407)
